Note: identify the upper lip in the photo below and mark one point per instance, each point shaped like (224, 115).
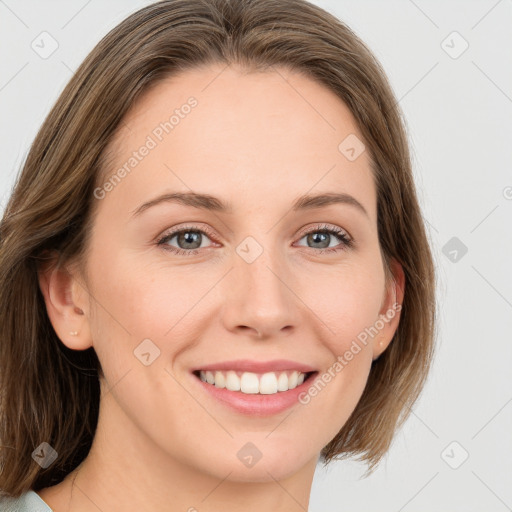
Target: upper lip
(247, 365)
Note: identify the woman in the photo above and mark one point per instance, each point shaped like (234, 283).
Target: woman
(173, 337)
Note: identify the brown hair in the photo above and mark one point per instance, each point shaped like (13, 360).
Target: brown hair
(50, 393)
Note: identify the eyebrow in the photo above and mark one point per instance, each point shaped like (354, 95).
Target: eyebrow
(211, 203)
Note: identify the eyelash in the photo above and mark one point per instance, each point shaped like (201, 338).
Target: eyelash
(346, 242)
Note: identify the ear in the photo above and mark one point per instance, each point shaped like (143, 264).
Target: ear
(389, 315)
(65, 299)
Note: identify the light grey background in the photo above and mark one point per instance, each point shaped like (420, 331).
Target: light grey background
(459, 114)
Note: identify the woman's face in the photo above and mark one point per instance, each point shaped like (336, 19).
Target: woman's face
(251, 278)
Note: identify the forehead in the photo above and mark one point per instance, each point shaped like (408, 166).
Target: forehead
(223, 131)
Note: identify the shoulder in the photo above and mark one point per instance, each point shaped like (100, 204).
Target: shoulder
(29, 501)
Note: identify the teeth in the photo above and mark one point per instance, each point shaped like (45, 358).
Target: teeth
(249, 383)
(292, 380)
(252, 383)
(232, 381)
(282, 382)
(220, 380)
(268, 384)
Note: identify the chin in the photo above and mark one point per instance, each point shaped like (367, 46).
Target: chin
(258, 461)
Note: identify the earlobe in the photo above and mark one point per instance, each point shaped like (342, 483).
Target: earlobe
(63, 305)
(389, 315)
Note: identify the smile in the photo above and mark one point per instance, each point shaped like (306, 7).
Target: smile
(254, 388)
(268, 383)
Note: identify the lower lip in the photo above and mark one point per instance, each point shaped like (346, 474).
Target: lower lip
(257, 404)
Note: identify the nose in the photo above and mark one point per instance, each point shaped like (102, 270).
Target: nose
(260, 299)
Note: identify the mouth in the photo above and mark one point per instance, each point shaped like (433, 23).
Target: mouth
(254, 388)
(251, 383)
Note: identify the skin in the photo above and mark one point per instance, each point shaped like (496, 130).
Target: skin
(259, 141)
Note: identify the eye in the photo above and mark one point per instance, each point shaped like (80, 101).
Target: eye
(189, 240)
(322, 236)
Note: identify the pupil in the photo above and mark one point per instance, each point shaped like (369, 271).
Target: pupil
(188, 238)
(314, 238)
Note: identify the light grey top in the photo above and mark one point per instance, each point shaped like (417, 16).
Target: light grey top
(29, 501)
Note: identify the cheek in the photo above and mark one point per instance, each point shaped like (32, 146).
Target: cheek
(347, 301)
(147, 308)
(139, 301)
(142, 310)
